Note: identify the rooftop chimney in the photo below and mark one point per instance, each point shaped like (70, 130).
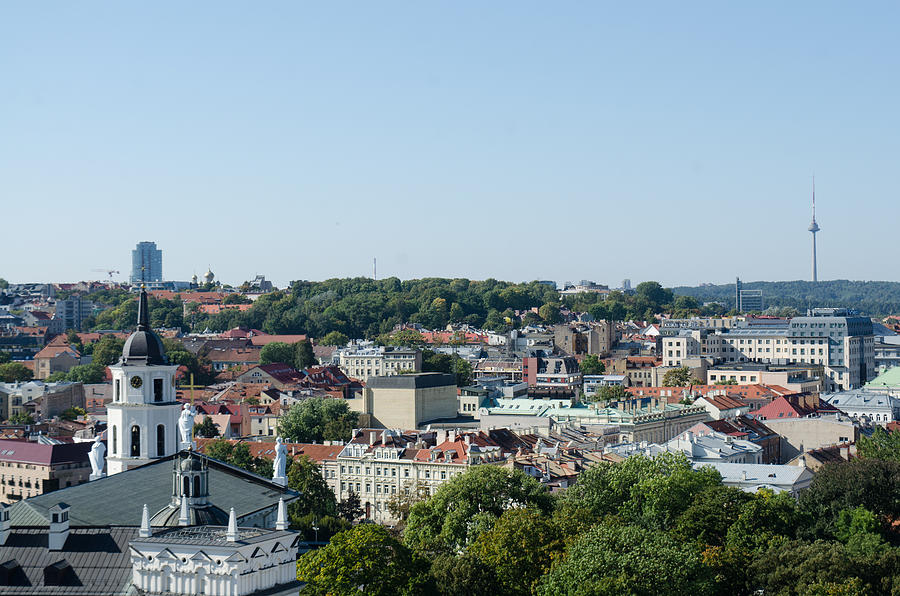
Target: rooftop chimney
(59, 526)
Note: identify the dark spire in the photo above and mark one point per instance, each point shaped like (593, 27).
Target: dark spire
(143, 312)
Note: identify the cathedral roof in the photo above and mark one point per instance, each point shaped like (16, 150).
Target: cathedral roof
(144, 346)
(116, 500)
(208, 515)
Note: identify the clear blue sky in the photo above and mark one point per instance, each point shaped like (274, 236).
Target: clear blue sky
(518, 140)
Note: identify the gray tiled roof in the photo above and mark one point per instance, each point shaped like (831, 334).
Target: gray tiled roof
(117, 500)
(99, 558)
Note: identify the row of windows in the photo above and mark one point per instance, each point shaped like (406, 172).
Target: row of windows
(135, 448)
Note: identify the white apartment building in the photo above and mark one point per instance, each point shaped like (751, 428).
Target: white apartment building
(379, 464)
(837, 339)
(365, 359)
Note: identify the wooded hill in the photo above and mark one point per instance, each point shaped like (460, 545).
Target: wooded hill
(874, 298)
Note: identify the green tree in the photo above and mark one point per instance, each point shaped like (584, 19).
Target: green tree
(219, 449)
(469, 504)
(520, 549)
(820, 568)
(654, 293)
(303, 355)
(318, 419)
(74, 340)
(880, 445)
(860, 530)
(685, 303)
(318, 507)
(710, 515)
(4, 357)
(549, 313)
(406, 338)
(236, 298)
(3, 284)
(87, 373)
(400, 504)
(206, 429)
(766, 519)
(277, 351)
(12, 372)
(350, 509)
(72, 413)
(22, 418)
(870, 483)
(450, 364)
(652, 492)
(463, 575)
(363, 560)
(677, 377)
(335, 338)
(591, 365)
(609, 393)
(612, 559)
(107, 350)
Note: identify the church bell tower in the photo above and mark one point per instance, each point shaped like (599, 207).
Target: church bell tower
(143, 414)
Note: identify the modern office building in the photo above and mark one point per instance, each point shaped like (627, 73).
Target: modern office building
(146, 263)
(838, 340)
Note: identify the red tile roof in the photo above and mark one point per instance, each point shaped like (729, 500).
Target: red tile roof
(795, 406)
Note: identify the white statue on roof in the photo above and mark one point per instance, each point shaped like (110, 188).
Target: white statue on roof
(280, 462)
(97, 457)
(186, 426)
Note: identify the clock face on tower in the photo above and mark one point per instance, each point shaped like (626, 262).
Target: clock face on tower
(136, 382)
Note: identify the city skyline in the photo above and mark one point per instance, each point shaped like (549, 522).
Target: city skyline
(665, 142)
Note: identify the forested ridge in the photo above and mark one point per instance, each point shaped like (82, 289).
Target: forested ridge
(363, 307)
(874, 298)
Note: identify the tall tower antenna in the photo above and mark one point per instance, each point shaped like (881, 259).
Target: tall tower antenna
(375, 268)
(814, 227)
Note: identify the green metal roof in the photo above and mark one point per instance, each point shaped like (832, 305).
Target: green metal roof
(889, 378)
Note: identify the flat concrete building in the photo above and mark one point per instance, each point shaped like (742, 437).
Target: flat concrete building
(407, 401)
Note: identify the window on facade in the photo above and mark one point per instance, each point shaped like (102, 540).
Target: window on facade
(118, 385)
(135, 441)
(160, 440)
(157, 389)
(114, 442)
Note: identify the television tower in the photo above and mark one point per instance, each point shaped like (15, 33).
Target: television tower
(814, 227)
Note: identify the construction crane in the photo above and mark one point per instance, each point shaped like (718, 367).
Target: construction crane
(109, 272)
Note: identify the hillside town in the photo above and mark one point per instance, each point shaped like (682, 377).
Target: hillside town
(327, 432)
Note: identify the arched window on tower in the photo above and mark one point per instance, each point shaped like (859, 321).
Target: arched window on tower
(115, 443)
(196, 485)
(160, 440)
(135, 441)
(186, 486)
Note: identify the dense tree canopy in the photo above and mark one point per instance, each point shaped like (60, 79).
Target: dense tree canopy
(14, 371)
(318, 419)
(875, 298)
(645, 527)
(469, 504)
(363, 560)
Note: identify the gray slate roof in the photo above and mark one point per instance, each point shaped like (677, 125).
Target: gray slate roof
(118, 500)
(99, 558)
